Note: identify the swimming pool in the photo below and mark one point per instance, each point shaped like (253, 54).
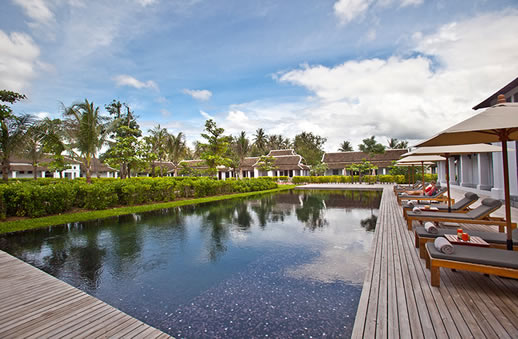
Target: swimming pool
(289, 264)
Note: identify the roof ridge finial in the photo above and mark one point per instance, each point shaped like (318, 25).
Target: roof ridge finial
(501, 99)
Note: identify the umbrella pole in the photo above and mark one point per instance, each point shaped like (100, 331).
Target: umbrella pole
(506, 194)
(422, 176)
(448, 181)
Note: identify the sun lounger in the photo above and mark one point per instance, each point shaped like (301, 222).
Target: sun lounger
(479, 215)
(403, 188)
(460, 206)
(468, 258)
(494, 239)
(438, 196)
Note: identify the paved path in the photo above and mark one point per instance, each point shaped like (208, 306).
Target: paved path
(34, 304)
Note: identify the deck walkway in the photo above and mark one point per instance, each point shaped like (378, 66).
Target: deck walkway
(34, 304)
(398, 301)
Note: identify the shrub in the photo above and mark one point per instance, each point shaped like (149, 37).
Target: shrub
(36, 198)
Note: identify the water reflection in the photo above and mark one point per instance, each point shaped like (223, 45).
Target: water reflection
(160, 260)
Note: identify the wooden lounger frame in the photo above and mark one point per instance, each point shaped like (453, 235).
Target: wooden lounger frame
(420, 242)
(483, 220)
(435, 265)
(438, 198)
(466, 209)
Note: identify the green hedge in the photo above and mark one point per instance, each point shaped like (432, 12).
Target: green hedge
(385, 179)
(37, 198)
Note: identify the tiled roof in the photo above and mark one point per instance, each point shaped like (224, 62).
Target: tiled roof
(278, 152)
(342, 159)
(98, 166)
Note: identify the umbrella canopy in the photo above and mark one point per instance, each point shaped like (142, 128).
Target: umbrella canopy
(420, 158)
(407, 164)
(452, 150)
(498, 123)
(488, 126)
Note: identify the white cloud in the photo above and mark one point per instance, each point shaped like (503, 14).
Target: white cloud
(206, 115)
(42, 115)
(127, 80)
(146, 3)
(371, 34)
(348, 10)
(202, 95)
(165, 113)
(405, 3)
(403, 97)
(36, 10)
(18, 60)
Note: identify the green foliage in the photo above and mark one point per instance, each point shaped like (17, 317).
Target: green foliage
(345, 147)
(266, 163)
(310, 147)
(383, 179)
(371, 146)
(394, 143)
(319, 169)
(34, 198)
(215, 148)
(26, 224)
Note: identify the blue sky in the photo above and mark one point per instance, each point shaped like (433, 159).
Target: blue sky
(345, 69)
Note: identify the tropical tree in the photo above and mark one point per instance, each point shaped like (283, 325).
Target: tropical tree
(87, 129)
(394, 143)
(371, 146)
(54, 143)
(345, 146)
(310, 147)
(157, 141)
(12, 128)
(260, 141)
(365, 167)
(126, 131)
(34, 145)
(215, 146)
(319, 169)
(266, 163)
(240, 148)
(277, 141)
(176, 147)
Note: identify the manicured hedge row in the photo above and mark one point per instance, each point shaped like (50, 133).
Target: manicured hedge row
(38, 198)
(398, 179)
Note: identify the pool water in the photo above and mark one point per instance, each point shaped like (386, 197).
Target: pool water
(289, 264)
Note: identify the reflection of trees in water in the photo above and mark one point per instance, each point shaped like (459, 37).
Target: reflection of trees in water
(369, 223)
(267, 210)
(311, 211)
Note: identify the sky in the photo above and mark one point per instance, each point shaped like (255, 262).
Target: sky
(342, 69)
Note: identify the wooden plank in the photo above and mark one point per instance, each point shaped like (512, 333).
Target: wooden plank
(35, 304)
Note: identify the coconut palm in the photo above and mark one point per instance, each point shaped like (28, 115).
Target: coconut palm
(34, 146)
(12, 128)
(394, 143)
(345, 146)
(157, 139)
(260, 140)
(87, 131)
(241, 149)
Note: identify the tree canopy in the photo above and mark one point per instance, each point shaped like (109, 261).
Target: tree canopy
(371, 146)
(310, 147)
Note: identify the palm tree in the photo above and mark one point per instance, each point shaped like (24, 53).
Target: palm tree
(158, 141)
(394, 143)
(12, 134)
(176, 147)
(345, 147)
(12, 128)
(241, 149)
(34, 146)
(260, 140)
(87, 130)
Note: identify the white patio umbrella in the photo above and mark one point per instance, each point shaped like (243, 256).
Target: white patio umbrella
(498, 123)
(447, 151)
(412, 164)
(420, 160)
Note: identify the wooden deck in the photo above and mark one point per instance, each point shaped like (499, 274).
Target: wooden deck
(34, 304)
(398, 301)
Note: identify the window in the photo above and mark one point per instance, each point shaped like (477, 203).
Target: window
(336, 172)
(22, 172)
(29, 172)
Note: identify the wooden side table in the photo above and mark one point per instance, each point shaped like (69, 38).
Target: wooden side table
(473, 241)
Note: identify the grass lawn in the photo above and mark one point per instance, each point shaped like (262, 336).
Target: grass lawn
(27, 224)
